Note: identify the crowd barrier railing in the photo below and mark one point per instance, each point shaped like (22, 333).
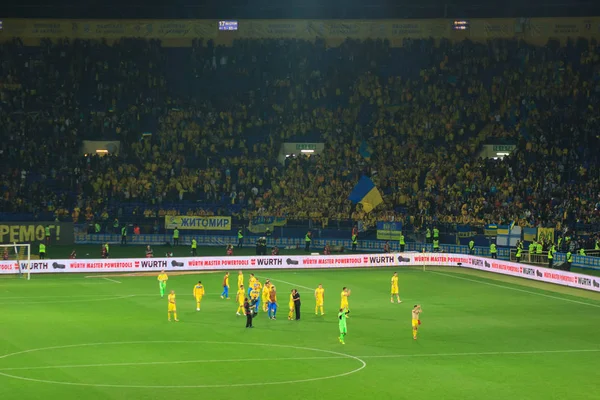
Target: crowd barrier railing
(585, 262)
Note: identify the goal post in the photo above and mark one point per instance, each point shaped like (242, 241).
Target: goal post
(20, 253)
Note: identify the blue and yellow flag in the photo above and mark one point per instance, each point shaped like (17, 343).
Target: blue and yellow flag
(365, 192)
(365, 150)
(529, 234)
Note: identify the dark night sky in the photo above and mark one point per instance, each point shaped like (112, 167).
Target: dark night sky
(296, 8)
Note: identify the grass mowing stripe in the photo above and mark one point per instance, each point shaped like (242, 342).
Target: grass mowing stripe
(516, 289)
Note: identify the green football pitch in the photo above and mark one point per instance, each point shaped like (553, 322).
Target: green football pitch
(482, 337)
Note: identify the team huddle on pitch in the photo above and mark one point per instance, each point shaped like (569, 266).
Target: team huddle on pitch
(249, 301)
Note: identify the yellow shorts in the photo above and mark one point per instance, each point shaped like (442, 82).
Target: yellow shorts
(394, 290)
(291, 306)
(172, 308)
(198, 298)
(344, 305)
(319, 303)
(415, 323)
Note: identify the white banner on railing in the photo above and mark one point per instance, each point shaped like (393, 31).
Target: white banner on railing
(536, 273)
(292, 262)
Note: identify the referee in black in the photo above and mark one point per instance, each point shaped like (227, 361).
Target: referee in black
(248, 312)
(297, 303)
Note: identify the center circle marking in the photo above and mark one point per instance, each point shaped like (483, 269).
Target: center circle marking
(363, 364)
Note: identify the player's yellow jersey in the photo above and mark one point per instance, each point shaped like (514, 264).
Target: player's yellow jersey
(319, 294)
(163, 278)
(291, 301)
(240, 280)
(252, 281)
(240, 296)
(172, 305)
(254, 293)
(257, 285)
(266, 290)
(198, 290)
(226, 281)
(344, 300)
(394, 283)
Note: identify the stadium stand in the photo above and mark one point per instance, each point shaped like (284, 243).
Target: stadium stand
(217, 117)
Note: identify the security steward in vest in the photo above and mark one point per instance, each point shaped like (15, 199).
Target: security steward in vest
(354, 241)
(307, 240)
(402, 242)
(42, 252)
(518, 254)
(569, 260)
(493, 250)
(175, 237)
(472, 247)
(47, 233)
(240, 237)
(550, 257)
(194, 247)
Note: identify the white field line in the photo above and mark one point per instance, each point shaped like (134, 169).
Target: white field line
(44, 284)
(172, 362)
(200, 361)
(516, 289)
(104, 298)
(75, 297)
(102, 277)
(286, 282)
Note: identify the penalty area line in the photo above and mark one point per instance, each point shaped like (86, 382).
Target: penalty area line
(516, 289)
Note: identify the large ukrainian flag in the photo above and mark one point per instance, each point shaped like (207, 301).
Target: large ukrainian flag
(365, 192)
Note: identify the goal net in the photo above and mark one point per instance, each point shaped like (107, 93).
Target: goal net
(20, 255)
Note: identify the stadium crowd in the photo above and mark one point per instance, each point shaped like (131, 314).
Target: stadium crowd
(204, 126)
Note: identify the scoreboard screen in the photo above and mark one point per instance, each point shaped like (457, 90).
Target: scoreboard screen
(461, 25)
(228, 25)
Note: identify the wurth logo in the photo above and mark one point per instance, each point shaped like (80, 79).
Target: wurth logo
(154, 264)
(270, 262)
(39, 265)
(381, 260)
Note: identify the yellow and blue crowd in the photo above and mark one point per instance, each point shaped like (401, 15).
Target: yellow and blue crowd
(211, 144)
